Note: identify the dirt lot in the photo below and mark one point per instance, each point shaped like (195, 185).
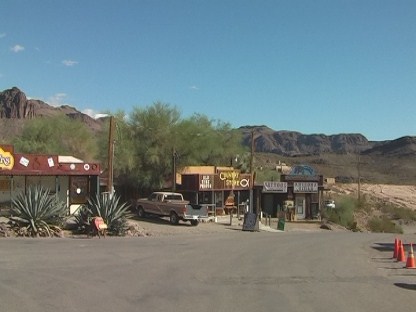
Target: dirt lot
(402, 195)
(154, 226)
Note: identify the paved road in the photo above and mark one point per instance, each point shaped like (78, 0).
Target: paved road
(232, 271)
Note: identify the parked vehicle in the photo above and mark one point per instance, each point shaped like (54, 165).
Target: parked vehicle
(329, 204)
(171, 205)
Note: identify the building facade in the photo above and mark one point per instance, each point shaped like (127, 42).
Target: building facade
(223, 188)
(69, 179)
(298, 195)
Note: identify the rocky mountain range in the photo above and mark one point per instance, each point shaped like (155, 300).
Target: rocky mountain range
(16, 108)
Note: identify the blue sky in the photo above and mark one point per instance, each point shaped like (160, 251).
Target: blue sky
(313, 66)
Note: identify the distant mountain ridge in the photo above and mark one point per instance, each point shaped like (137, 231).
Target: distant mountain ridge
(14, 105)
(292, 143)
(15, 108)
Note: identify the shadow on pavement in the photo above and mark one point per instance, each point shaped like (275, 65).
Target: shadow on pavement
(406, 286)
(160, 220)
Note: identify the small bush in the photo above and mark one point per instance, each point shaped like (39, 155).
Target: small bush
(397, 213)
(364, 204)
(343, 214)
(383, 225)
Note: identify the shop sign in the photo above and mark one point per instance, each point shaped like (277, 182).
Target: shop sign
(206, 182)
(275, 187)
(6, 160)
(233, 179)
(305, 187)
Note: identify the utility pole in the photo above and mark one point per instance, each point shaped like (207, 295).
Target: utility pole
(359, 177)
(110, 156)
(251, 170)
(174, 169)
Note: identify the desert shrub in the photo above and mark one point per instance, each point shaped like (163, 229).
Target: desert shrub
(114, 213)
(343, 214)
(363, 204)
(383, 225)
(38, 213)
(397, 213)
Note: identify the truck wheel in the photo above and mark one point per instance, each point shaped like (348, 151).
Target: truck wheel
(173, 218)
(141, 213)
(194, 222)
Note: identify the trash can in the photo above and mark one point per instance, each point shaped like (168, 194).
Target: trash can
(281, 224)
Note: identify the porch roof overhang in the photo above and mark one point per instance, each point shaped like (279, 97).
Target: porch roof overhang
(47, 165)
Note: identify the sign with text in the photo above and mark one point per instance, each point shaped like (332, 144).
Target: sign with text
(274, 187)
(206, 182)
(232, 180)
(6, 160)
(305, 187)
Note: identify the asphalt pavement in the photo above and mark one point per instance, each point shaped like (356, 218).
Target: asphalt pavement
(228, 271)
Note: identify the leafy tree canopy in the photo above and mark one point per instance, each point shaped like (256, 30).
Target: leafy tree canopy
(57, 135)
(146, 143)
(150, 139)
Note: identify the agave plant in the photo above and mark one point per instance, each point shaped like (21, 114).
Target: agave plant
(112, 211)
(39, 212)
(82, 218)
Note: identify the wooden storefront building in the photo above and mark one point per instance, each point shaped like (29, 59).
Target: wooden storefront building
(298, 195)
(69, 179)
(223, 188)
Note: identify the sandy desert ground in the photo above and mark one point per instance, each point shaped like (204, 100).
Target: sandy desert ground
(402, 195)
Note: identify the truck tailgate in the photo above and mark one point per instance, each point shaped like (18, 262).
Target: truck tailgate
(195, 210)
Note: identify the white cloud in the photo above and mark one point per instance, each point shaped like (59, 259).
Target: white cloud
(92, 113)
(69, 62)
(17, 48)
(193, 88)
(2, 35)
(57, 99)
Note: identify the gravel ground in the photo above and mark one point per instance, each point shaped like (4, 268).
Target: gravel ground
(154, 226)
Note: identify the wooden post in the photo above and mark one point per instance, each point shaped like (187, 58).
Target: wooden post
(110, 156)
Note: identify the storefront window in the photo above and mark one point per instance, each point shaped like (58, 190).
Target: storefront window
(219, 199)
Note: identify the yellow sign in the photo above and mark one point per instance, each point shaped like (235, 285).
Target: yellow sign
(233, 179)
(6, 160)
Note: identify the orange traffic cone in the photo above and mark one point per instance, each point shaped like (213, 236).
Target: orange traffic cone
(400, 254)
(396, 248)
(410, 263)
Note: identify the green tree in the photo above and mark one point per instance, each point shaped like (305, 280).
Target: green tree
(153, 130)
(125, 162)
(201, 141)
(147, 141)
(57, 135)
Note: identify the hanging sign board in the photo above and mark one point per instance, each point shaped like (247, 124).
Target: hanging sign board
(274, 187)
(305, 187)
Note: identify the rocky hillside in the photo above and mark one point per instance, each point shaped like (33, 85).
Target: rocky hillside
(16, 108)
(295, 144)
